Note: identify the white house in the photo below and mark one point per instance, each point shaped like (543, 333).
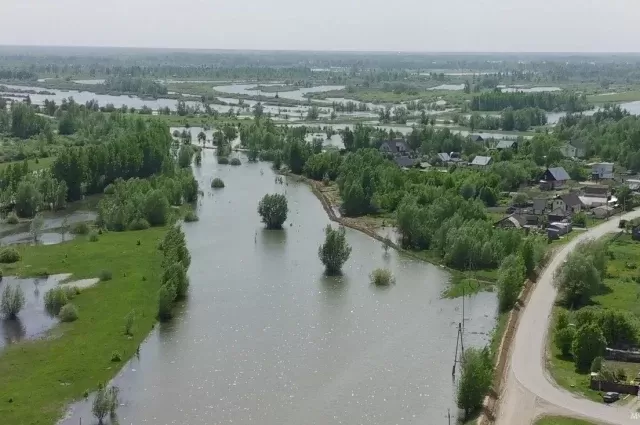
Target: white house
(601, 170)
(573, 149)
(569, 203)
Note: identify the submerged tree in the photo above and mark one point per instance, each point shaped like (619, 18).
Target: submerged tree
(335, 250)
(273, 209)
(36, 227)
(475, 381)
(12, 301)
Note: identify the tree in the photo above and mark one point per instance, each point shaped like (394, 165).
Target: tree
(588, 344)
(273, 209)
(528, 256)
(105, 403)
(475, 380)
(625, 196)
(563, 339)
(12, 301)
(577, 280)
(36, 227)
(202, 137)
(184, 156)
(335, 250)
(510, 280)
(156, 208)
(28, 199)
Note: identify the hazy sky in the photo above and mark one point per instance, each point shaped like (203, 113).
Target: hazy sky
(391, 25)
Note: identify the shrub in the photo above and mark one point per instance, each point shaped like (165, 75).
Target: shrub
(12, 218)
(166, 296)
(54, 299)
(176, 276)
(475, 380)
(596, 364)
(139, 224)
(381, 277)
(68, 313)
(217, 183)
(335, 250)
(110, 189)
(579, 220)
(93, 236)
(273, 209)
(235, 161)
(116, 357)
(223, 160)
(71, 292)
(156, 208)
(9, 255)
(190, 216)
(12, 301)
(563, 339)
(105, 275)
(128, 322)
(80, 228)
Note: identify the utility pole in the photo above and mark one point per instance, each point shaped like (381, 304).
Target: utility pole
(449, 415)
(459, 343)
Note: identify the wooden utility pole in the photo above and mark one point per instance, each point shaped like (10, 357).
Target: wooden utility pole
(459, 343)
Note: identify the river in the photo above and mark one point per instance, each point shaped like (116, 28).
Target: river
(266, 338)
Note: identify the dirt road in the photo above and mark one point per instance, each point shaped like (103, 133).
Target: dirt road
(529, 391)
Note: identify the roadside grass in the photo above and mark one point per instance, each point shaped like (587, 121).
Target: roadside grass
(622, 294)
(33, 166)
(41, 377)
(561, 420)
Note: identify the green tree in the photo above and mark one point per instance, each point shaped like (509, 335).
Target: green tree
(528, 256)
(588, 344)
(335, 250)
(510, 281)
(184, 156)
(176, 275)
(36, 227)
(577, 280)
(156, 208)
(475, 380)
(563, 340)
(12, 301)
(273, 209)
(28, 199)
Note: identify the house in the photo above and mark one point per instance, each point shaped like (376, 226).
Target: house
(481, 161)
(396, 146)
(540, 206)
(476, 138)
(594, 201)
(603, 211)
(601, 170)
(518, 221)
(556, 215)
(507, 144)
(455, 157)
(405, 161)
(633, 184)
(554, 178)
(569, 203)
(444, 157)
(574, 149)
(561, 227)
(597, 191)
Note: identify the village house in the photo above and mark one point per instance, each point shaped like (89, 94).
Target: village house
(569, 203)
(603, 211)
(507, 144)
(601, 170)
(481, 161)
(395, 147)
(540, 206)
(476, 138)
(573, 149)
(518, 221)
(554, 178)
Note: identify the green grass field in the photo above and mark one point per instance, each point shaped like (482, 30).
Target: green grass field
(33, 166)
(625, 96)
(561, 420)
(43, 376)
(622, 294)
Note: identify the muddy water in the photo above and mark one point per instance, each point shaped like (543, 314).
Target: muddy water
(266, 338)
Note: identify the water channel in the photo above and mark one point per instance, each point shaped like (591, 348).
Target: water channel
(266, 338)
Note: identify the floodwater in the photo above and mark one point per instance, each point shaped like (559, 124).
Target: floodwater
(96, 81)
(448, 87)
(32, 320)
(295, 94)
(529, 89)
(265, 338)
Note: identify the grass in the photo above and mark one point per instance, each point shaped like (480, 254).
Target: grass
(42, 163)
(622, 295)
(42, 376)
(561, 420)
(626, 96)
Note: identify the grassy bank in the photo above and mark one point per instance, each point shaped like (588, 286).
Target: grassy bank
(625, 96)
(42, 376)
(620, 293)
(561, 420)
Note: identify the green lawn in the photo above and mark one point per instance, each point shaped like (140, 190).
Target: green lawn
(622, 294)
(42, 376)
(561, 420)
(33, 166)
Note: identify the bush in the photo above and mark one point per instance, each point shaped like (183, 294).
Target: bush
(190, 216)
(579, 220)
(139, 224)
(223, 160)
(381, 277)
(563, 339)
(12, 218)
(335, 250)
(156, 208)
(68, 313)
(12, 301)
(105, 275)
(128, 323)
(80, 229)
(475, 380)
(184, 156)
(217, 183)
(596, 364)
(93, 236)
(71, 291)
(273, 209)
(116, 357)
(588, 344)
(235, 161)
(110, 189)
(54, 299)
(9, 255)
(166, 296)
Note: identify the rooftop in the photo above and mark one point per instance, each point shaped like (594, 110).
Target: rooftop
(481, 160)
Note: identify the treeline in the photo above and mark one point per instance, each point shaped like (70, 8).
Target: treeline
(508, 120)
(548, 101)
(31, 192)
(139, 86)
(17, 74)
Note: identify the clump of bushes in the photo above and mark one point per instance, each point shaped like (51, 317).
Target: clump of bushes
(190, 216)
(105, 403)
(93, 236)
(223, 160)
(139, 224)
(217, 183)
(12, 218)
(68, 313)
(71, 291)
(116, 356)
(175, 263)
(235, 161)
(9, 255)
(105, 275)
(335, 250)
(12, 301)
(382, 277)
(80, 229)
(110, 189)
(54, 299)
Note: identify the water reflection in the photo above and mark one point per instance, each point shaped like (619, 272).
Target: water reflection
(12, 330)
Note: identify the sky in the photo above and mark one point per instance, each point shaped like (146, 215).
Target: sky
(362, 25)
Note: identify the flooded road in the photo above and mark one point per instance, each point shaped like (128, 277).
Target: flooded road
(265, 338)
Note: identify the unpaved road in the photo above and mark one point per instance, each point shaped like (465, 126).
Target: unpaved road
(528, 391)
